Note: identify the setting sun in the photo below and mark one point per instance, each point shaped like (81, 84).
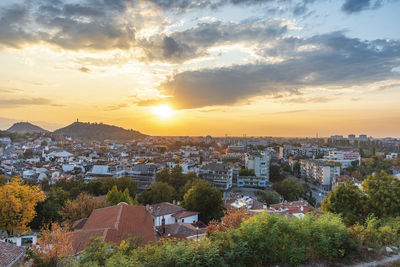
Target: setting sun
(163, 111)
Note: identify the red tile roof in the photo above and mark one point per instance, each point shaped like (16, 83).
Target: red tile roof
(10, 253)
(115, 224)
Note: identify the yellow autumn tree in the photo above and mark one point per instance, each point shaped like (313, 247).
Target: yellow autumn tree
(17, 204)
(54, 246)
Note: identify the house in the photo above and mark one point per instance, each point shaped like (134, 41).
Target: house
(247, 202)
(115, 224)
(168, 213)
(11, 255)
(295, 208)
(395, 170)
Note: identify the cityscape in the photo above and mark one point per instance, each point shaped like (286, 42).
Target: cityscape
(199, 133)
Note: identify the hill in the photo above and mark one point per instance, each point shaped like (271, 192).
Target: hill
(98, 131)
(25, 127)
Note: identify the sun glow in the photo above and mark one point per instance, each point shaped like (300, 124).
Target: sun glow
(163, 111)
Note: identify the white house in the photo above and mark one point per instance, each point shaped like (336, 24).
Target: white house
(168, 213)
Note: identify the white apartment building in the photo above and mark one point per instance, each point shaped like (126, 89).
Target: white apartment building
(318, 170)
(344, 158)
(259, 162)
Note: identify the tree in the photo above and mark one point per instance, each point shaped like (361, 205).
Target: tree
(174, 177)
(54, 246)
(232, 219)
(17, 204)
(48, 211)
(275, 174)
(268, 197)
(347, 200)
(80, 208)
(115, 196)
(289, 188)
(159, 192)
(205, 199)
(383, 193)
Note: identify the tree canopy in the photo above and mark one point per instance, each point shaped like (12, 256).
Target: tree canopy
(80, 208)
(347, 200)
(204, 198)
(17, 204)
(115, 196)
(289, 188)
(159, 192)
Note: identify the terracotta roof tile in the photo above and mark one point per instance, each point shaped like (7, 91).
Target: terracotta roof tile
(115, 224)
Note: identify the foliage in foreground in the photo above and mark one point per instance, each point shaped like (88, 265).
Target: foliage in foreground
(262, 240)
(377, 232)
(53, 248)
(379, 195)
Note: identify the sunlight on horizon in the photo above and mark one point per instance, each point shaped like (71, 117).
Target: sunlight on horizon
(163, 111)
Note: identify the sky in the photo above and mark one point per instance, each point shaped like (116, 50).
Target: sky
(288, 68)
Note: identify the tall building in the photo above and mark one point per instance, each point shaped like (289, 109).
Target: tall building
(320, 171)
(259, 162)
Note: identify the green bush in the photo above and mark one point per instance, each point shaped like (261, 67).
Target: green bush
(262, 240)
(377, 232)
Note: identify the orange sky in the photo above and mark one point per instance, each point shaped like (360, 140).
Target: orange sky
(234, 70)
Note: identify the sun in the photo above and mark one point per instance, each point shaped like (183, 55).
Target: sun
(163, 111)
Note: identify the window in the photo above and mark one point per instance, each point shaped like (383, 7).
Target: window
(183, 220)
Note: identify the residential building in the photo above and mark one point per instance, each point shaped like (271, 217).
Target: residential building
(346, 159)
(259, 162)
(320, 171)
(115, 224)
(218, 174)
(168, 213)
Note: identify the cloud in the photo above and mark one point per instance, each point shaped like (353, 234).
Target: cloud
(84, 70)
(9, 90)
(356, 6)
(88, 25)
(13, 103)
(306, 100)
(388, 86)
(337, 61)
(194, 42)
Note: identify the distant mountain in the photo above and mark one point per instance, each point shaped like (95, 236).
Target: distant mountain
(98, 131)
(25, 127)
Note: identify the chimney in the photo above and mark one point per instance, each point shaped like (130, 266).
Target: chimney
(147, 208)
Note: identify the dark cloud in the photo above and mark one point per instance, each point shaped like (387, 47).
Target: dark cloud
(335, 61)
(13, 20)
(84, 70)
(37, 101)
(91, 24)
(192, 43)
(355, 6)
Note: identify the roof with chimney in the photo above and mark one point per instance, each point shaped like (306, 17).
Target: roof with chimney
(114, 224)
(10, 253)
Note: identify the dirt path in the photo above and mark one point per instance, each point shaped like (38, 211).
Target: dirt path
(378, 262)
